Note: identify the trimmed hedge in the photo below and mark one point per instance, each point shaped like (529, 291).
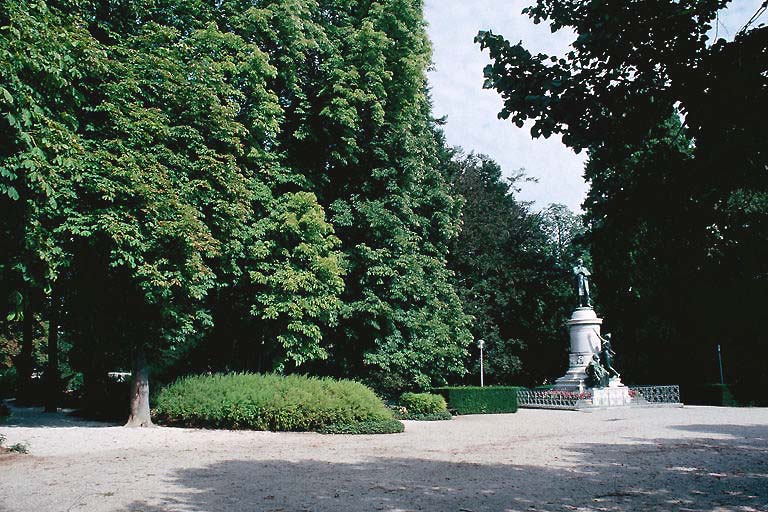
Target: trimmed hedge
(477, 400)
(365, 427)
(423, 403)
(267, 402)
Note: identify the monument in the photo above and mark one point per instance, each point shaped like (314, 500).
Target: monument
(590, 362)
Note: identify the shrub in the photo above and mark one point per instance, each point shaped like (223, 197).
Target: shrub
(392, 426)
(437, 416)
(267, 402)
(477, 400)
(423, 403)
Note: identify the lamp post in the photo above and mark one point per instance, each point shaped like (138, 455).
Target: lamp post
(720, 364)
(481, 345)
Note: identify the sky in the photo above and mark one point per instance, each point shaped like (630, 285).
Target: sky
(456, 85)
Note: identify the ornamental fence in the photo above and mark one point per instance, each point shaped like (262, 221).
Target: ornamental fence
(551, 399)
(657, 394)
(573, 400)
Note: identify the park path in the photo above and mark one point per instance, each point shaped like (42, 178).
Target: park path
(678, 459)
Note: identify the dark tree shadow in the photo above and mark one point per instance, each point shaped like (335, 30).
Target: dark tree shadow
(699, 474)
(35, 417)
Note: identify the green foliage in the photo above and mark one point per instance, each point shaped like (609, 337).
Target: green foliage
(165, 173)
(423, 403)
(677, 211)
(391, 426)
(435, 416)
(480, 400)
(267, 402)
(511, 272)
(402, 324)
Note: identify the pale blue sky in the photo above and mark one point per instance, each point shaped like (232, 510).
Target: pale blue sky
(457, 92)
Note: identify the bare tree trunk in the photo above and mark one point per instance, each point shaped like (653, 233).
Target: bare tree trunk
(52, 371)
(140, 392)
(24, 361)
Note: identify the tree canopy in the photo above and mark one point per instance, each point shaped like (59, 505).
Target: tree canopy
(677, 164)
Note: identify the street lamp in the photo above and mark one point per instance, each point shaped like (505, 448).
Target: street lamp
(481, 345)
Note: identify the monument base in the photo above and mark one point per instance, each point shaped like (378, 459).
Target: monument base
(584, 333)
(612, 396)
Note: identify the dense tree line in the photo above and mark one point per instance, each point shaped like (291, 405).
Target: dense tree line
(512, 266)
(210, 186)
(678, 171)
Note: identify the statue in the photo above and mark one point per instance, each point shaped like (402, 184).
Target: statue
(582, 283)
(597, 376)
(606, 355)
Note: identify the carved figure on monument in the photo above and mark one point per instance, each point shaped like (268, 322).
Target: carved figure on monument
(582, 274)
(606, 355)
(597, 376)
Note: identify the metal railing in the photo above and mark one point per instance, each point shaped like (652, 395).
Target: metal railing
(657, 394)
(550, 399)
(572, 400)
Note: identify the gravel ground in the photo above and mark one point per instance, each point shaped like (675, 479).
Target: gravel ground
(679, 459)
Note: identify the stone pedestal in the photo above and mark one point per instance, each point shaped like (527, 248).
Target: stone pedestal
(584, 330)
(615, 395)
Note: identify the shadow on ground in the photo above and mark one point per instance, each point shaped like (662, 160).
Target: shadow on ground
(698, 474)
(36, 417)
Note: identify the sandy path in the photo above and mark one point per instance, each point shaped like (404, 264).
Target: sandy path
(696, 458)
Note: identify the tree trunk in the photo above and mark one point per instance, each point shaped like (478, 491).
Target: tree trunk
(140, 392)
(24, 363)
(52, 379)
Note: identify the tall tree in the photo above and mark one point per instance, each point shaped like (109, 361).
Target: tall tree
(43, 53)
(508, 274)
(614, 94)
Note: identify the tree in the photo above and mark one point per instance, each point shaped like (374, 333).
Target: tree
(42, 54)
(202, 145)
(614, 95)
(358, 124)
(564, 230)
(508, 275)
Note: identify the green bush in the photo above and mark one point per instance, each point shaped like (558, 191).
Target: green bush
(423, 403)
(392, 426)
(267, 402)
(477, 400)
(437, 416)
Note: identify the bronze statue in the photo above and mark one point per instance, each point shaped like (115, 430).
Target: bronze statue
(582, 283)
(606, 355)
(597, 376)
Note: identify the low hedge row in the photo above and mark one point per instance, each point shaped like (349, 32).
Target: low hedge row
(437, 416)
(268, 402)
(480, 400)
(365, 427)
